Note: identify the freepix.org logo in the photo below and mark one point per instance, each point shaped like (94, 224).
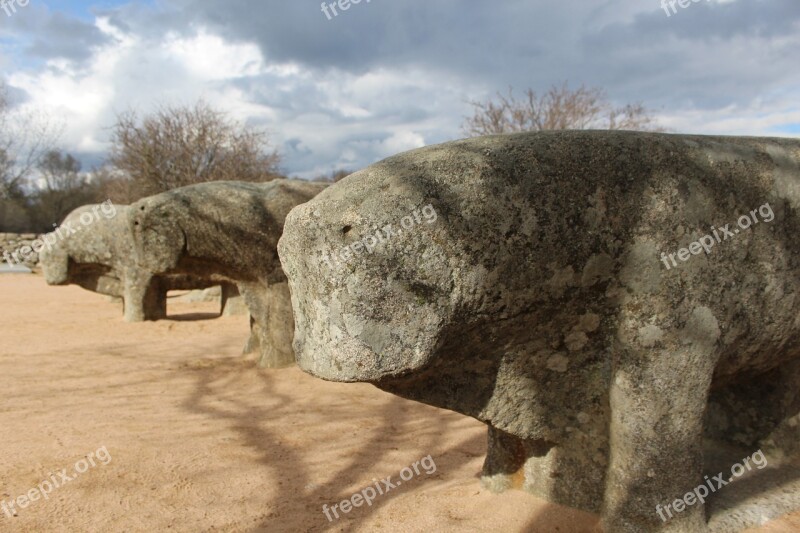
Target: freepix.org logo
(719, 235)
(670, 8)
(54, 481)
(67, 228)
(343, 5)
(10, 6)
(382, 236)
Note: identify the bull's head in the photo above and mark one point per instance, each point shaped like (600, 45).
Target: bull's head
(158, 238)
(371, 270)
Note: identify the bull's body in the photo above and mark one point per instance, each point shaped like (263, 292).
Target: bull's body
(96, 253)
(229, 231)
(541, 304)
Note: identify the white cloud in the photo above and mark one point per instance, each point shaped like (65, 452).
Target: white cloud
(209, 58)
(408, 80)
(342, 120)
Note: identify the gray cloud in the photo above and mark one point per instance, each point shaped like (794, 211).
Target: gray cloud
(63, 37)
(635, 53)
(385, 76)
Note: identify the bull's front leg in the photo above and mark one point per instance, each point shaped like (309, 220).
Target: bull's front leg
(569, 473)
(657, 399)
(133, 295)
(144, 298)
(505, 458)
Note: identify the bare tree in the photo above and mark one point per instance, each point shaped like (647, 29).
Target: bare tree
(62, 188)
(113, 184)
(334, 176)
(60, 172)
(560, 108)
(24, 139)
(177, 146)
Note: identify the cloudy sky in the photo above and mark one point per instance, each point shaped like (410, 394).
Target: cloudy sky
(385, 76)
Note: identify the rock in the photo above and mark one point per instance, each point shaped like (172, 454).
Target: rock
(231, 302)
(93, 248)
(14, 269)
(228, 230)
(19, 249)
(544, 288)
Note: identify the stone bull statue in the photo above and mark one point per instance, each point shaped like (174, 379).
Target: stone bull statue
(228, 230)
(93, 248)
(587, 295)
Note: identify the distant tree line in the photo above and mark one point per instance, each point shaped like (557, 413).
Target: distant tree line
(173, 147)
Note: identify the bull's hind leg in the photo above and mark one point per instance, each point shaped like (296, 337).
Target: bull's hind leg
(657, 401)
(761, 412)
(271, 323)
(278, 352)
(231, 302)
(253, 294)
(253, 343)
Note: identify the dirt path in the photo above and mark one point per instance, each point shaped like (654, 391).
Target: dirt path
(198, 439)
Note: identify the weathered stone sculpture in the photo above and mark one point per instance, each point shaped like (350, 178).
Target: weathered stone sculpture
(93, 248)
(520, 280)
(229, 231)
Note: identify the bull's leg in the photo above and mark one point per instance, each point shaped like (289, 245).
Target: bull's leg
(571, 474)
(133, 296)
(232, 303)
(144, 298)
(253, 294)
(657, 402)
(271, 323)
(505, 458)
(277, 351)
(155, 300)
(782, 442)
(253, 344)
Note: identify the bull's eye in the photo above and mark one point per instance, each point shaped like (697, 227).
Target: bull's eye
(346, 229)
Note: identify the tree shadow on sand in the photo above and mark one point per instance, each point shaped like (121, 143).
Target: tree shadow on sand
(299, 504)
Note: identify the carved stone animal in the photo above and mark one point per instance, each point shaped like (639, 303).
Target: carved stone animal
(587, 295)
(93, 248)
(229, 231)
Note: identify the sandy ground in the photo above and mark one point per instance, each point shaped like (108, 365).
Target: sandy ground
(198, 439)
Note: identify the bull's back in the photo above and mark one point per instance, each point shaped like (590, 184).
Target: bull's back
(602, 222)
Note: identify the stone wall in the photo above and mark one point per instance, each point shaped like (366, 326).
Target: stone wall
(14, 242)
